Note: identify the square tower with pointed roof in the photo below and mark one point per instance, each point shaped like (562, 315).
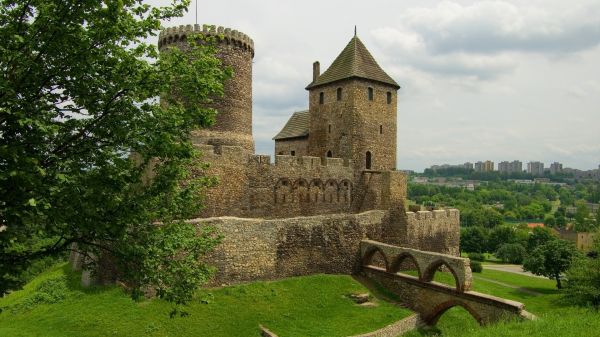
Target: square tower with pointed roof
(351, 115)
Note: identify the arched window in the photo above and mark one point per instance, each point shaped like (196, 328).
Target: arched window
(380, 129)
(389, 97)
(329, 154)
(321, 97)
(339, 94)
(370, 93)
(368, 160)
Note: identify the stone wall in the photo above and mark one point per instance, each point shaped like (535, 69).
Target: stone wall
(436, 231)
(259, 249)
(262, 249)
(251, 186)
(292, 146)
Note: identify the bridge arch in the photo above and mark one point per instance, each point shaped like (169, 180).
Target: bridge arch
(397, 264)
(433, 267)
(437, 312)
(370, 253)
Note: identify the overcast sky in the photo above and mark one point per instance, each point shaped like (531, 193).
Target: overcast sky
(497, 80)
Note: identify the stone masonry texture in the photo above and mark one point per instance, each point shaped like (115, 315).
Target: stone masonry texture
(308, 212)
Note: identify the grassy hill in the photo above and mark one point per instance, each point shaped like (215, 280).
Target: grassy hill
(54, 305)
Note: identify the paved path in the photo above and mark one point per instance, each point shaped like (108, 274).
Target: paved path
(510, 268)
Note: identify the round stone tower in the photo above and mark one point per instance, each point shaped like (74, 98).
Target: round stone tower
(233, 124)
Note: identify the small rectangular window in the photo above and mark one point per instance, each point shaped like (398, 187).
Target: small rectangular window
(370, 94)
(389, 97)
(339, 94)
(329, 128)
(380, 129)
(321, 97)
(293, 153)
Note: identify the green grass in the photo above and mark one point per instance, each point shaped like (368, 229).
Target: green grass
(555, 318)
(301, 306)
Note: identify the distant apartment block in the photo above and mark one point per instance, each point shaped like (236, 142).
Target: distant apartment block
(510, 167)
(468, 166)
(486, 166)
(555, 168)
(535, 168)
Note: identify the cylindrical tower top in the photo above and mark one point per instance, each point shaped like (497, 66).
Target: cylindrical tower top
(233, 124)
(173, 35)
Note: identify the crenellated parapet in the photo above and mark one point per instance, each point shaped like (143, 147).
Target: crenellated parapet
(180, 33)
(437, 231)
(445, 214)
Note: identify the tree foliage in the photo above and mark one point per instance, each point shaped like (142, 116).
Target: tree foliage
(538, 237)
(583, 280)
(511, 253)
(78, 95)
(499, 236)
(473, 240)
(551, 259)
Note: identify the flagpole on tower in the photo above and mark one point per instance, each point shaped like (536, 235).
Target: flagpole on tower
(196, 11)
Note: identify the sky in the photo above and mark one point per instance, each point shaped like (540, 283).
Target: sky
(481, 80)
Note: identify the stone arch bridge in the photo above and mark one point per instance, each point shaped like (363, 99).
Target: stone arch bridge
(428, 298)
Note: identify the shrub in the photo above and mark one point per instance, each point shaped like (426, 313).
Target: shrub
(476, 257)
(476, 267)
(511, 253)
(583, 279)
(50, 291)
(583, 282)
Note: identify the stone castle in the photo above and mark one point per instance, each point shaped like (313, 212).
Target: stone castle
(332, 184)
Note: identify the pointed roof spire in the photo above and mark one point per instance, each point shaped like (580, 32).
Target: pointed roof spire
(354, 61)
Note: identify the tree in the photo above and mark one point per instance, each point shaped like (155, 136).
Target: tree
(598, 217)
(473, 239)
(492, 217)
(551, 259)
(500, 236)
(582, 217)
(511, 253)
(583, 280)
(550, 221)
(79, 88)
(538, 237)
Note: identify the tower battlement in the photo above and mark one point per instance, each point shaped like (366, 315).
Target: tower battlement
(437, 214)
(175, 34)
(218, 153)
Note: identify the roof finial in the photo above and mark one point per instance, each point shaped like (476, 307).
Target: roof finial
(354, 30)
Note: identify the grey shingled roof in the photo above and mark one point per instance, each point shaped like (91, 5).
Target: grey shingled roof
(354, 61)
(296, 126)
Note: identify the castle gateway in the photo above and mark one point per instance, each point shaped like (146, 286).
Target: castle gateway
(332, 184)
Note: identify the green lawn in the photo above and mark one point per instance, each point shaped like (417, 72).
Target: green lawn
(301, 306)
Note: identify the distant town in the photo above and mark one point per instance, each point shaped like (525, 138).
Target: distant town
(533, 168)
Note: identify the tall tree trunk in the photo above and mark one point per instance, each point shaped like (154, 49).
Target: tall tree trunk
(558, 284)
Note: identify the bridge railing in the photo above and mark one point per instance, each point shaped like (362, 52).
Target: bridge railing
(427, 263)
